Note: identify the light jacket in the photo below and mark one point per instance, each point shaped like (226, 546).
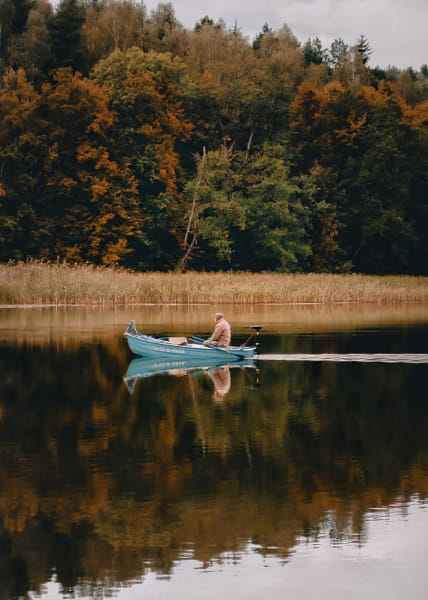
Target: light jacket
(222, 334)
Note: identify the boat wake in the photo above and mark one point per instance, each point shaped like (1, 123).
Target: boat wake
(375, 358)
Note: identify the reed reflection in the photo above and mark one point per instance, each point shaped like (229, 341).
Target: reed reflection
(96, 482)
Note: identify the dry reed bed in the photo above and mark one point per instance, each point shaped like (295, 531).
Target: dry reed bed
(54, 283)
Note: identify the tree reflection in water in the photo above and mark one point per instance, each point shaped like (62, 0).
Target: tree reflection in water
(97, 484)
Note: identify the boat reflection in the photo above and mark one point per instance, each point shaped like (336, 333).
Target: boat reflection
(219, 371)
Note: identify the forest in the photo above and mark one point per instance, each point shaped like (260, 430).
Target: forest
(127, 139)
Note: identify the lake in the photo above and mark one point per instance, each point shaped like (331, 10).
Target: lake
(302, 474)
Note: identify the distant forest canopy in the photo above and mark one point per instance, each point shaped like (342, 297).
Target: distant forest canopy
(127, 139)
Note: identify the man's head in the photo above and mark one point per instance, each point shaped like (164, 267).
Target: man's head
(218, 316)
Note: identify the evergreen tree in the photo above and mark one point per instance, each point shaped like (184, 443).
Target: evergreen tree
(258, 40)
(22, 9)
(314, 53)
(65, 32)
(364, 49)
(7, 12)
(338, 52)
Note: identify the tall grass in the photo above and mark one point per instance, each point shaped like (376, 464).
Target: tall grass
(59, 284)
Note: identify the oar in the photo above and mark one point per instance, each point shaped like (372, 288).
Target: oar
(199, 340)
(256, 331)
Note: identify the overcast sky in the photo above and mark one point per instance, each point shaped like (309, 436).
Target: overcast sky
(397, 30)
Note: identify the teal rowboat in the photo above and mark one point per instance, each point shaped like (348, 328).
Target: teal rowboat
(146, 345)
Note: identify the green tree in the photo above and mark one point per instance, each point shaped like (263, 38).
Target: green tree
(215, 207)
(338, 52)
(65, 29)
(258, 39)
(277, 226)
(314, 52)
(363, 47)
(248, 213)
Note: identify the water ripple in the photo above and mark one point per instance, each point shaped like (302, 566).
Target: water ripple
(383, 358)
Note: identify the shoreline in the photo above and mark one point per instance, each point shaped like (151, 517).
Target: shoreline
(183, 304)
(52, 284)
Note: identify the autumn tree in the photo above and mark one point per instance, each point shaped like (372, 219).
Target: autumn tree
(144, 91)
(244, 92)
(112, 25)
(163, 32)
(223, 67)
(59, 171)
(281, 63)
(97, 196)
(31, 50)
(19, 149)
(360, 135)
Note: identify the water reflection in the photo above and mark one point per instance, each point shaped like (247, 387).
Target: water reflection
(102, 487)
(67, 325)
(142, 368)
(221, 380)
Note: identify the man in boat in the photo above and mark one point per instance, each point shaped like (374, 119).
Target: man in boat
(222, 333)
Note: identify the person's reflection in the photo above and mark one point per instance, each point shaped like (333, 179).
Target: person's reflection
(221, 380)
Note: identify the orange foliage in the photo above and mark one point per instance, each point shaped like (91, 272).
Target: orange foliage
(329, 122)
(384, 95)
(99, 199)
(418, 116)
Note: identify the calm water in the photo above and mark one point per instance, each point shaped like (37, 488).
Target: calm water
(301, 475)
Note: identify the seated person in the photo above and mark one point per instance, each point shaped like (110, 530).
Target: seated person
(222, 333)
